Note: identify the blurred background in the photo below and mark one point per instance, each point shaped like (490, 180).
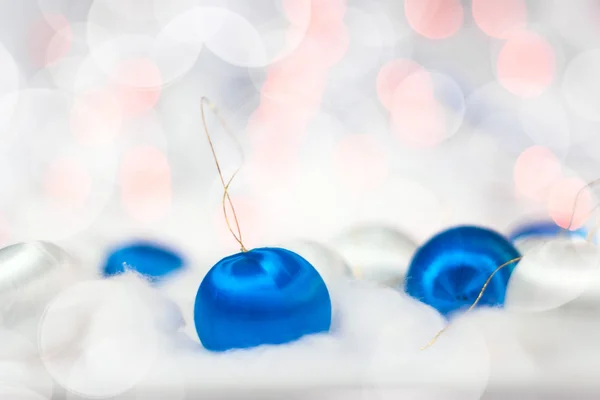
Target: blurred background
(417, 114)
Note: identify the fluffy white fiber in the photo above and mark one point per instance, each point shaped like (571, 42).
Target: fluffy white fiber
(124, 338)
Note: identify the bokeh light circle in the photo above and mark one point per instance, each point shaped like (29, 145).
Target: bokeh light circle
(513, 122)
(570, 203)
(96, 117)
(56, 171)
(50, 39)
(526, 64)
(108, 20)
(10, 80)
(434, 19)
(139, 9)
(581, 84)
(499, 19)
(241, 34)
(360, 162)
(163, 60)
(142, 90)
(535, 172)
(577, 22)
(427, 108)
(21, 368)
(111, 355)
(366, 45)
(546, 122)
(145, 179)
(391, 75)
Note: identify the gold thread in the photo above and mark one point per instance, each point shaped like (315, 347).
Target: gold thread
(589, 239)
(226, 197)
(589, 185)
(485, 285)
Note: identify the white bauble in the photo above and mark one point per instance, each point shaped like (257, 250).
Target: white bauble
(31, 274)
(552, 275)
(376, 253)
(329, 264)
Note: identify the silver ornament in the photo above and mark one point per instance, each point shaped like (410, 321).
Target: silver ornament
(327, 262)
(24, 263)
(376, 253)
(30, 274)
(558, 272)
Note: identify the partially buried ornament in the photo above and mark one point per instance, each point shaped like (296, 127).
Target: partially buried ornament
(376, 253)
(262, 296)
(449, 271)
(533, 234)
(554, 274)
(30, 274)
(151, 260)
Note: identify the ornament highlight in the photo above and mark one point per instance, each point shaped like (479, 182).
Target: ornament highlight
(376, 253)
(148, 259)
(263, 296)
(449, 271)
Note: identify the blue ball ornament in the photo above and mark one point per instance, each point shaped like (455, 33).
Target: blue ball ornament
(543, 229)
(153, 261)
(449, 271)
(262, 296)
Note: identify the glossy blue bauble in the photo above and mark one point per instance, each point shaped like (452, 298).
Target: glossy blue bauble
(543, 229)
(262, 296)
(148, 259)
(449, 271)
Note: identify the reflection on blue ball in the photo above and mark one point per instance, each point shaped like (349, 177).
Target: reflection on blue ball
(543, 229)
(449, 271)
(148, 259)
(263, 296)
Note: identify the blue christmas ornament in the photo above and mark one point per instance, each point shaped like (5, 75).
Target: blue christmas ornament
(148, 259)
(262, 296)
(543, 229)
(449, 271)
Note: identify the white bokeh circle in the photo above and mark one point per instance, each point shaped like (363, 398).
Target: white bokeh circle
(139, 9)
(65, 185)
(21, 368)
(517, 123)
(108, 19)
(581, 85)
(576, 22)
(243, 34)
(451, 96)
(366, 46)
(99, 338)
(164, 55)
(546, 121)
(551, 275)
(10, 81)
(427, 107)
